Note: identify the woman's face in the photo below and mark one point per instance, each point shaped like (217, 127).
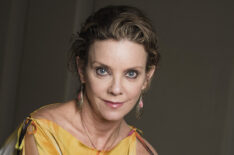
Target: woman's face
(115, 77)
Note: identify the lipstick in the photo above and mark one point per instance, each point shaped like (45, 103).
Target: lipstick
(113, 104)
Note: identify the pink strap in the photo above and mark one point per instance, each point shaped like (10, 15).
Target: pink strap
(131, 132)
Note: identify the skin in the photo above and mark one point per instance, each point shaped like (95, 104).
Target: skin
(115, 72)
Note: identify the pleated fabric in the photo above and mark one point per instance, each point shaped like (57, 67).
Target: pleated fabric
(51, 139)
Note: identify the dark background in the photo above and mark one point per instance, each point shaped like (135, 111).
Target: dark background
(189, 108)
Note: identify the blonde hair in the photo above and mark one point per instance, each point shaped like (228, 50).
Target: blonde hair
(115, 22)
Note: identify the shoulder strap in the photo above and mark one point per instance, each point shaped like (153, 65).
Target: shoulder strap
(23, 131)
(144, 144)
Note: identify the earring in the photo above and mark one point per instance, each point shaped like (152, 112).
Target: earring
(139, 108)
(80, 96)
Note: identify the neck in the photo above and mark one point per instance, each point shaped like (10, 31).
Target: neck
(102, 133)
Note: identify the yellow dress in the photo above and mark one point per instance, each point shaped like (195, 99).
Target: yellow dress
(51, 139)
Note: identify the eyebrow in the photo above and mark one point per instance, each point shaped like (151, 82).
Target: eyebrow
(95, 62)
(135, 67)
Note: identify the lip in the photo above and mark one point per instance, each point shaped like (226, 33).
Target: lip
(113, 104)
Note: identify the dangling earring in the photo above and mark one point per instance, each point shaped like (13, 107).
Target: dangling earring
(139, 108)
(80, 96)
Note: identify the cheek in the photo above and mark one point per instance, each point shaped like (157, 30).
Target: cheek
(134, 89)
(131, 89)
(95, 85)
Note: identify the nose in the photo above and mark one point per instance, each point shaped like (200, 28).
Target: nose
(115, 87)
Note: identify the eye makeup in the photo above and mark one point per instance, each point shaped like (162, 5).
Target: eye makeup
(101, 71)
(132, 74)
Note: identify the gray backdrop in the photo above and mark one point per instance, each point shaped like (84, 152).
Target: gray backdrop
(189, 108)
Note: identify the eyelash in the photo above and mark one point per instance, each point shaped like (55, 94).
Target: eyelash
(98, 69)
(105, 70)
(135, 74)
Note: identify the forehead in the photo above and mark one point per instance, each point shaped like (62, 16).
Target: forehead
(118, 53)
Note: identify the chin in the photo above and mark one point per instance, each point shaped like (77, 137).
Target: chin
(113, 116)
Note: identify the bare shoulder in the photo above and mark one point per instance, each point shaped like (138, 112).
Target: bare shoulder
(141, 150)
(57, 113)
(54, 112)
(46, 112)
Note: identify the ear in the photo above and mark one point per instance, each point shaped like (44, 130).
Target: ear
(80, 69)
(148, 78)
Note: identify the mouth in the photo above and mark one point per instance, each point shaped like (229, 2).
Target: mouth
(113, 104)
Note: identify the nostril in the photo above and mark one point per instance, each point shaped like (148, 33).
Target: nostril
(115, 89)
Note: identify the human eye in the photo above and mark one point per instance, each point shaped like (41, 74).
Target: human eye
(101, 71)
(132, 74)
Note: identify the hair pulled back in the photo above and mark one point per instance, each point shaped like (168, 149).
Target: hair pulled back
(115, 22)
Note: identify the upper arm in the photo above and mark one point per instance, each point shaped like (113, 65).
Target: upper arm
(141, 150)
(151, 147)
(30, 146)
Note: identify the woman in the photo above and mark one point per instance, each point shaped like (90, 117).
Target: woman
(115, 56)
